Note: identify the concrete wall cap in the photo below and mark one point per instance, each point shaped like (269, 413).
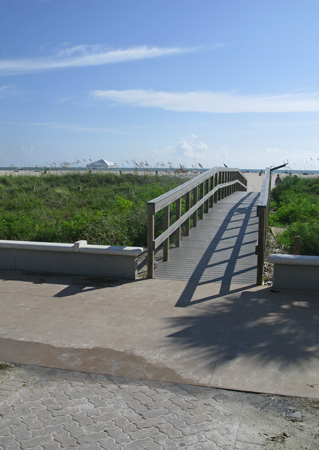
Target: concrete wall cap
(297, 260)
(112, 250)
(79, 246)
(28, 245)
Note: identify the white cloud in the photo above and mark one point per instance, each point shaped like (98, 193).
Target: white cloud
(190, 152)
(213, 102)
(87, 55)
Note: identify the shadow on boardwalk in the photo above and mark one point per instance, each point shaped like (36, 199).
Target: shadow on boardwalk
(234, 261)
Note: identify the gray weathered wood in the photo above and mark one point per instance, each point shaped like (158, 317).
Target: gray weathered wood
(222, 246)
(150, 240)
(178, 234)
(262, 213)
(207, 190)
(166, 226)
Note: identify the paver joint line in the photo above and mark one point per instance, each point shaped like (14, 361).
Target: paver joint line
(190, 417)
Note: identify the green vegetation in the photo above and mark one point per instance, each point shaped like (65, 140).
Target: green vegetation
(101, 208)
(295, 202)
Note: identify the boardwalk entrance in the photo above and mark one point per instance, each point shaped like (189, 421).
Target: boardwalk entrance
(222, 246)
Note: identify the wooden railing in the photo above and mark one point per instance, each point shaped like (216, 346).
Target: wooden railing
(263, 213)
(198, 195)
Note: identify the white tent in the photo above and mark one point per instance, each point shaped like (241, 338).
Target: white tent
(101, 164)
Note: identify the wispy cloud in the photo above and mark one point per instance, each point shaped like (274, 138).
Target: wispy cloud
(290, 124)
(213, 102)
(7, 90)
(75, 128)
(87, 55)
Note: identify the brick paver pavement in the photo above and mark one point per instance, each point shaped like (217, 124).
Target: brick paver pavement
(49, 409)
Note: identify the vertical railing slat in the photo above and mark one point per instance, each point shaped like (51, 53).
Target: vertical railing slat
(166, 226)
(195, 197)
(178, 233)
(187, 207)
(201, 195)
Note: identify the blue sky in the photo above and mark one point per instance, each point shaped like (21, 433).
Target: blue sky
(181, 81)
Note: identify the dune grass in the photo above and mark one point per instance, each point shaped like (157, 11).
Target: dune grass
(295, 206)
(100, 208)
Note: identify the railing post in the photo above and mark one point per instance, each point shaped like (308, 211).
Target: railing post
(150, 239)
(206, 208)
(211, 187)
(187, 206)
(195, 197)
(297, 245)
(262, 213)
(219, 182)
(215, 184)
(178, 234)
(261, 244)
(227, 180)
(166, 226)
(201, 195)
(223, 181)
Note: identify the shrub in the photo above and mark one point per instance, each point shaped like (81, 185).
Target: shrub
(295, 202)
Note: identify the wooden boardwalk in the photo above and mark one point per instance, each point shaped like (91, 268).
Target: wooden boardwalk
(222, 246)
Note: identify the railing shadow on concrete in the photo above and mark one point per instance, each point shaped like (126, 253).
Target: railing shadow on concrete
(198, 195)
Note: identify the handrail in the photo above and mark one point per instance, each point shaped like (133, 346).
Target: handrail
(200, 194)
(263, 213)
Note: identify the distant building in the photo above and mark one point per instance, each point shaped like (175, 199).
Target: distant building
(101, 164)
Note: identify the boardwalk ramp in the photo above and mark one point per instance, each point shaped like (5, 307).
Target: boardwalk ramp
(222, 246)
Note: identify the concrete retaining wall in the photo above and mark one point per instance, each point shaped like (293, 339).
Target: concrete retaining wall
(295, 271)
(70, 259)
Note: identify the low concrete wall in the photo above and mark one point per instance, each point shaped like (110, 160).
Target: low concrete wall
(295, 271)
(70, 259)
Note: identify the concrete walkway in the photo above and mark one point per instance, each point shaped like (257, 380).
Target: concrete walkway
(232, 337)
